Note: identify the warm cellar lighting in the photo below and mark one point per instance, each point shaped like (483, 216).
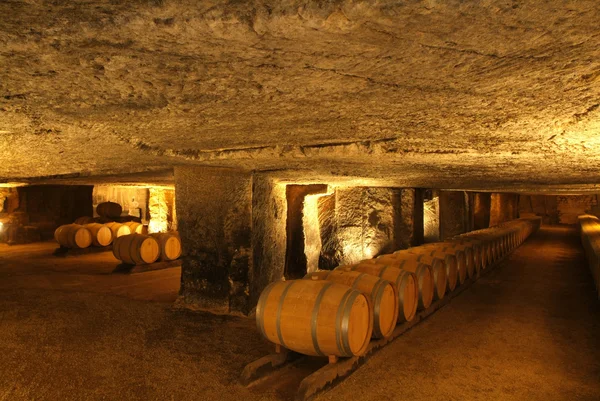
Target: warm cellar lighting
(355, 250)
(1, 225)
(312, 231)
(157, 206)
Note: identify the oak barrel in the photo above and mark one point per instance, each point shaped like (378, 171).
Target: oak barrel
(118, 229)
(101, 235)
(468, 251)
(423, 272)
(381, 293)
(136, 249)
(169, 244)
(135, 227)
(434, 262)
(319, 318)
(492, 242)
(481, 250)
(450, 256)
(109, 209)
(405, 282)
(73, 236)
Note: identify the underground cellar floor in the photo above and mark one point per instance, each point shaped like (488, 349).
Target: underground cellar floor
(529, 330)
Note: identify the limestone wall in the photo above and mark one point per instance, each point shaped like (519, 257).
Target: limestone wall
(503, 207)
(559, 209)
(38, 210)
(359, 223)
(269, 213)
(134, 200)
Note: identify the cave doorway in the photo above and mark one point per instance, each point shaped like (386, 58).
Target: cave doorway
(301, 225)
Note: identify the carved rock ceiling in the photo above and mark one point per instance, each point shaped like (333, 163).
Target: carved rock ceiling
(452, 94)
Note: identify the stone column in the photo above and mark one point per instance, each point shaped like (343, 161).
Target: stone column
(452, 214)
(481, 210)
(214, 212)
(269, 211)
(504, 207)
(408, 218)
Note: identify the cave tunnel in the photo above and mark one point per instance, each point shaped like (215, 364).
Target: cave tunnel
(259, 199)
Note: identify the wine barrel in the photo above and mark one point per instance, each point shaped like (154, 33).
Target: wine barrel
(470, 254)
(319, 318)
(423, 272)
(405, 282)
(109, 209)
(136, 249)
(118, 229)
(84, 220)
(169, 244)
(135, 227)
(450, 256)
(433, 261)
(438, 271)
(381, 293)
(493, 243)
(482, 251)
(101, 235)
(73, 236)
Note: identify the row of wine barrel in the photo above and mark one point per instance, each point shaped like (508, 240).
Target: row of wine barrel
(130, 248)
(134, 226)
(337, 312)
(139, 249)
(589, 230)
(96, 234)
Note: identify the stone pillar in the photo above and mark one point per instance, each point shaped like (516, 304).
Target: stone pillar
(269, 212)
(481, 210)
(431, 216)
(408, 218)
(452, 214)
(504, 207)
(469, 211)
(214, 212)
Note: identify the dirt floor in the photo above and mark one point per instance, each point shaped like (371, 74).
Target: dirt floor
(33, 266)
(72, 330)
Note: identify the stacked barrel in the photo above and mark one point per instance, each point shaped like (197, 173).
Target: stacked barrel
(335, 313)
(589, 230)
(139, 249)
(73, 236)
(88, 231)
